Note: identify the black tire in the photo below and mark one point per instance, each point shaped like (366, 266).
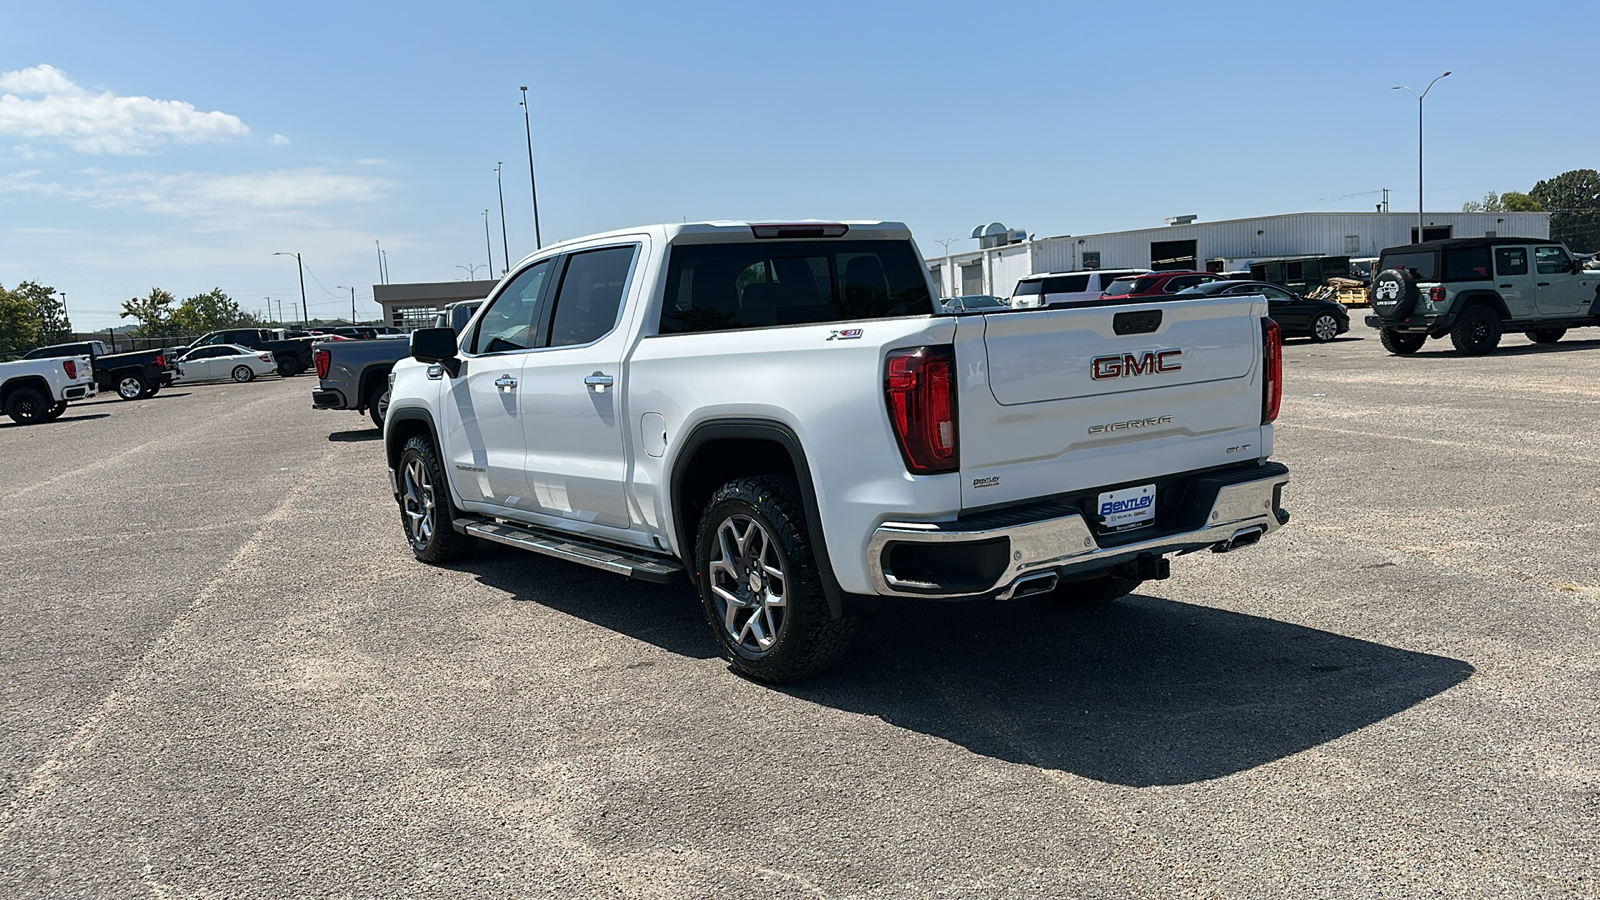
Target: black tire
(1094, 591)
(378, 406)
(55, 411)
(1394, 293)
(1401, 344)
(1546, 335)
(779, 641)
(288, 366)
(244, 374)
(151, 390)
(1324, 328)
(426, 513)
(28, 406)
(132, 386)
(1476, 331)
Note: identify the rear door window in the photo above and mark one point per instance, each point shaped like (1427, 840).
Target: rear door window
(1510, 261)
(590, 296)
(1028, 289)
(716, 287)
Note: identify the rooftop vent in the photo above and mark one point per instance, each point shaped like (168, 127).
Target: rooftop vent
(1181, 220)
(995, 234)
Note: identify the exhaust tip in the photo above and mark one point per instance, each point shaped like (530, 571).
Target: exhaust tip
(1244, 537)
(1033, 585)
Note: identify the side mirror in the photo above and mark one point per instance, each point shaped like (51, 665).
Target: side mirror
(436, 345)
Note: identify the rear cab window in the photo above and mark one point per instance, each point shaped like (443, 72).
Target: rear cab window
(721, 287)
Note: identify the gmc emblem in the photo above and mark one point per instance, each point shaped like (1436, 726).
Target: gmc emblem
(1128, 364)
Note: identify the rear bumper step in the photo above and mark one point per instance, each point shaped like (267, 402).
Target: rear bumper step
(615, 560)
(1242, 511)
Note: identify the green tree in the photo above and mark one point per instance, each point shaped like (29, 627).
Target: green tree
(153, 313)
(19, 323)
(48, 311)
(1516, 201)
(1573, 199)
(1491, 202)
(209, 312)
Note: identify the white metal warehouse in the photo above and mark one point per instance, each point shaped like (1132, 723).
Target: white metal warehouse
(1229, 245)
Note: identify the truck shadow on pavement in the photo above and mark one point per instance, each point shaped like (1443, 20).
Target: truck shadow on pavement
(1140, 692)
(1443, 348)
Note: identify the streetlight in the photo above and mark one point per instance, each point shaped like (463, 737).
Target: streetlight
(504, 245)
(538, 242)
(488, 248)
(344, 287)
(1420, 98)
(305, 314)
(383, 277)
(472, 271)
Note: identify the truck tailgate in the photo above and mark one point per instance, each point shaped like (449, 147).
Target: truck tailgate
(1061, 400)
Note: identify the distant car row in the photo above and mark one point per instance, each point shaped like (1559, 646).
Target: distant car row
(38, 387)
(1320, 320)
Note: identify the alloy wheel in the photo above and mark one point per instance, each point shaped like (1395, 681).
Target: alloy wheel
(129, 388)
(748, 583)
(1327, 329)
(419, 500)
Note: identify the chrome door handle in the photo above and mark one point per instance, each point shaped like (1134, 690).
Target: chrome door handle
(599, 381)
(505, 382)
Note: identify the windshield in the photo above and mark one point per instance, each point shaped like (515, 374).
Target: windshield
(1136, 285)
(1422, 264)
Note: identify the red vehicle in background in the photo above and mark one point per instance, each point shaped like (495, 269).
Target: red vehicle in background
(1155, 284)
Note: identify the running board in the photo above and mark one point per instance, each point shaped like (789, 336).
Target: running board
(610, 559)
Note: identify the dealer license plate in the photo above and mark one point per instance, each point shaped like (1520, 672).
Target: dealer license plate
(1133, 507)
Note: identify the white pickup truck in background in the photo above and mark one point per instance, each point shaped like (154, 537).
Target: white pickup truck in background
(38, 390)
(779, 412)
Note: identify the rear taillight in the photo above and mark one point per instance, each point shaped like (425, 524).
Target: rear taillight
(921, 391)
(324, 361)
(161, 360)
(1272, 359)
(267, 357)
(71, 367)
(1436, 294)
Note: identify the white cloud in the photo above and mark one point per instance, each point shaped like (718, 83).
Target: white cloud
(103, 122)
(207, 197)
(278, 140)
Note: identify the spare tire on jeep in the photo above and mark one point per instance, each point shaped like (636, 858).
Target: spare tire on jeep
(1394, 293)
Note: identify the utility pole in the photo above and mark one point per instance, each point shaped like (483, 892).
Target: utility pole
(538, 241)
(352, 301)
(382, 278)
(305, 314)
(1420, 98)
(384, 254)
(504, 244)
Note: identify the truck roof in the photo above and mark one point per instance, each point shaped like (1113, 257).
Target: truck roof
(1458, 243)
(725, 231)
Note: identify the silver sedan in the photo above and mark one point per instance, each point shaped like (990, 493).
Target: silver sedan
(218, 362)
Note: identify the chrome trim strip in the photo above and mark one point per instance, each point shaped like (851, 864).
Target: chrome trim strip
(1067, 543)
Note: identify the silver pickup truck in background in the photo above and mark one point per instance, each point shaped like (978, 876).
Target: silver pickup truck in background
(355, 374)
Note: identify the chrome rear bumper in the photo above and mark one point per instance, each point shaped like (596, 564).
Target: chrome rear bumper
(1067, 546)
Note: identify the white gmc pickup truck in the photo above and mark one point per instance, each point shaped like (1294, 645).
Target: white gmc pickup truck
(779, 412)
(38, 390)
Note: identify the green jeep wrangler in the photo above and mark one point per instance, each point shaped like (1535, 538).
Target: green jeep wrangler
(1477, 289)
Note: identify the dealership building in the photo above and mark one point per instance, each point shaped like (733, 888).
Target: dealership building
(414, 305)
(1005, 255)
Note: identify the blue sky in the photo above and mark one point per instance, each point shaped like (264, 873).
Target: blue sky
(181, 144)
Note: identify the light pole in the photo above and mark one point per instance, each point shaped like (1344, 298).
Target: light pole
(382, 278)
(472, 271)
(1420, 97)
(305, 315)
(538, 242)
(504, 244)
(488, 247)
(345, 287)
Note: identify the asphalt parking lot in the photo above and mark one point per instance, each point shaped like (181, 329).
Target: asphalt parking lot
(224, 675)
